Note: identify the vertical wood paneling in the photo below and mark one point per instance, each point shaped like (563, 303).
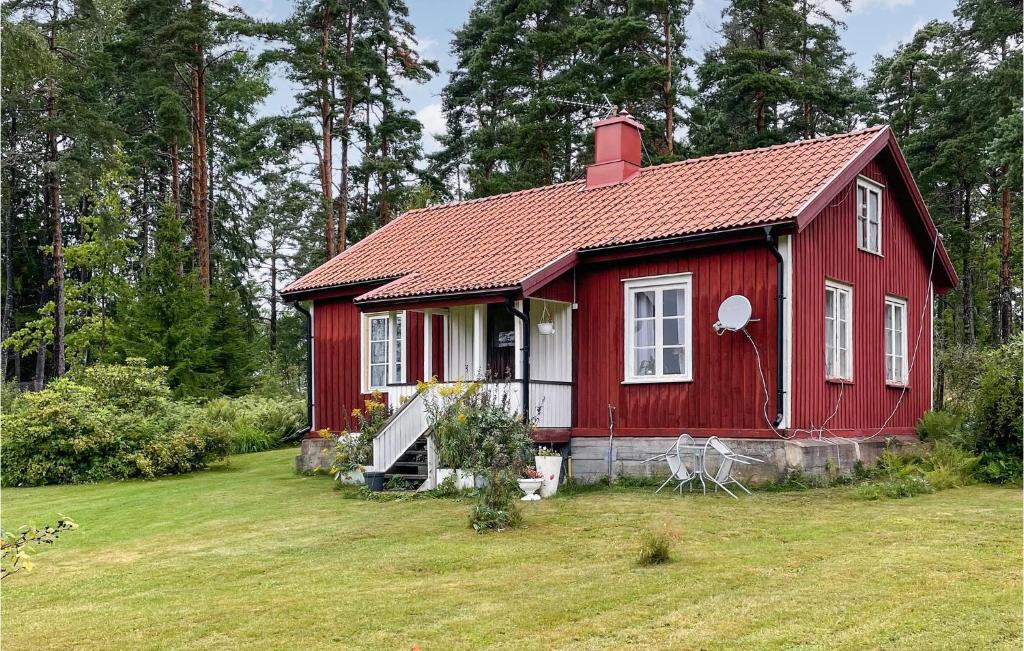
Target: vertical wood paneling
(725, 391)
(459, 363)
(551, 355)
(828, 249)
(336, 362)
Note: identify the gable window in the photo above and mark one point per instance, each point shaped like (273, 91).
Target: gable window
(895, 340)
(869, 216)
(838, 331)
(384, 351)
(657, 333)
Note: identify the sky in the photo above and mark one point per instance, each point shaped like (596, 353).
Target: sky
(873, 26)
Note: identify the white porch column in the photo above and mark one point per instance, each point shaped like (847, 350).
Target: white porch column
(428, 345)
(479, 341)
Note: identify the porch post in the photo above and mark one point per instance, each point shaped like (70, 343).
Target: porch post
(479, 343)
(428, 343)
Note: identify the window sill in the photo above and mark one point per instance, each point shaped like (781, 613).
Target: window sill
(864, 250)
(657, 380)
(898, 386)
(838, 380)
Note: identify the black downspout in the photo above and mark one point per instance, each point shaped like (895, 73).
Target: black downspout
(780, 315)
(523, 316)
(309, 368)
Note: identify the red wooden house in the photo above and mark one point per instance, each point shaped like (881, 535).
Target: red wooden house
(593, 301)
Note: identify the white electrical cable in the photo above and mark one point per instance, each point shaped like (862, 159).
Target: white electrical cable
(764, 385)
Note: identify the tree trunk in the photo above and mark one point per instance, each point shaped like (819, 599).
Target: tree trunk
(200, 171)
(53, 203)
(967, 282)
(327, 136)
(667, 93)
(346, 120)
(8, 253)
(175, 180)
(273, 291)
(383, 185)
(1005, 300)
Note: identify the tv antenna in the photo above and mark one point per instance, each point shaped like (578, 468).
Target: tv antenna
(609, 108)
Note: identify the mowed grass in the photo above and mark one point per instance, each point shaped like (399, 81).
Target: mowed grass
(254, 556)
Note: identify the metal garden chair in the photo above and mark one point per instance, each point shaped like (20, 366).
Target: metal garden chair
(723, 475)
(680, 472)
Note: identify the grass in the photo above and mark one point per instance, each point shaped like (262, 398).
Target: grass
(252, 555)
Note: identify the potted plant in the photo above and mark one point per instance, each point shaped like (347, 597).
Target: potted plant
(546, 325)
(549, 464)
(530, 483)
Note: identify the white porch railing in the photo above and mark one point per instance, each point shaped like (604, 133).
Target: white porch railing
(407, 424)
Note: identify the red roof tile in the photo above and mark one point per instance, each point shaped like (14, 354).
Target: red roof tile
(496, 242)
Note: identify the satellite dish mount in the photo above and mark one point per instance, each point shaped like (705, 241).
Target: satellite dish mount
(733, 314)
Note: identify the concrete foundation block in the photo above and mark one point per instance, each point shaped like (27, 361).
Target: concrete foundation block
(315, 453)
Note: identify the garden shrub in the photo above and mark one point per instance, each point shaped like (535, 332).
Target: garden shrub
(655, 547)
(996, 422)
(258, 423)
(110, 422)
(895, 487)
(354, 450)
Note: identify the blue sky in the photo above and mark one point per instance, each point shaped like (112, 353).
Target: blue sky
(874, 26)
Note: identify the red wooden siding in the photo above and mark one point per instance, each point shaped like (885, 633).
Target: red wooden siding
(336, 359)
(559, 289)
(725, 393)
(828, 249)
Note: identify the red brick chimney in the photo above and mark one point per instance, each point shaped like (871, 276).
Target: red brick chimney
(616, 151)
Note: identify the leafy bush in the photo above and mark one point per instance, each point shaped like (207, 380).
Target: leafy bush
(119, 423)
(10, 396)
(655, 547)
(354, 450)
(895, 487)
(257, 423)
(942, 426)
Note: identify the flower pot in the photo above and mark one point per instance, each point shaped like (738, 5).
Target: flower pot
(374, 481)
(550, 468)
(530, 488)
(352, 477)
(546, 328)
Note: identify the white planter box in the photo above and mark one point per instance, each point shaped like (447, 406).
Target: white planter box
(464, 480)
(354, 477)
(550, 469)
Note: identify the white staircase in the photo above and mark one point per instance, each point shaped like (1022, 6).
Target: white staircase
(406, 429)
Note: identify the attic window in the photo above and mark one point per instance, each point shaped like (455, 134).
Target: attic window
(869, 216)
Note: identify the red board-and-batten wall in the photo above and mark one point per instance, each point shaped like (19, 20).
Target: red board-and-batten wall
(827, 249)
(336, 359)
(726, 396)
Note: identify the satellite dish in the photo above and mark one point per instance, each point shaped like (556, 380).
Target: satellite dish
(734, 313)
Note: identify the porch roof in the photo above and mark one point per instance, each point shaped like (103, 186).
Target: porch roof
(500, 242)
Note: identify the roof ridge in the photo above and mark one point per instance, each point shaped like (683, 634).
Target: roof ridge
(490, 197)
(758, 150)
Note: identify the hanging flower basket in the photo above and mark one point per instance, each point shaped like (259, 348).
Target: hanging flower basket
(546, 326)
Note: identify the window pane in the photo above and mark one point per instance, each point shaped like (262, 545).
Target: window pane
(890, 373)
(873, 207)
(873, 241)
(378, 352)
(672, 302)
(830, 303)
(378, 329)
(673, 361)
(643, 305)
(643, 332)
(672, 331)
(378, 375)
(643, 361)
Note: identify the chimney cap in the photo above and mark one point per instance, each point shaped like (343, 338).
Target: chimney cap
(622, 116)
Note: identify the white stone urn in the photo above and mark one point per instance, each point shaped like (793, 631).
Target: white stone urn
(530, 487)
(353, 477)
(550, 468)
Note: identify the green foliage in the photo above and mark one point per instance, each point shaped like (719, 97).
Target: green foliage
(10, 396)
(895, 487)
(354, 451)
(16, 548)
(941, 426)
(655, 547)
(257, 423)
(119, 423)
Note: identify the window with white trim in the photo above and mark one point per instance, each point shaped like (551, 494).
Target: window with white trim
(869, 216)
(384, 352)
(895, 340)
(838, 331)
(658, 342)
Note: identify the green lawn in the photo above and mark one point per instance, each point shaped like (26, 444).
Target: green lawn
(254, 556)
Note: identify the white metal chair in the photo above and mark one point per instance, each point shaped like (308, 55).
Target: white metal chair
(677, 465)
(723, 474)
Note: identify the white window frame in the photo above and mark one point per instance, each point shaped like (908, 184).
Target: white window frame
(397, 365)
(865, 188)
(658, 284)
(891, 335)
(847, 342)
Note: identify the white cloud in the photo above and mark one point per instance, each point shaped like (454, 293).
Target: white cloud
(859, 6)
(434, 124)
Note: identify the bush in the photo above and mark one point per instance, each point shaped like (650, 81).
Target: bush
(896, 487)
(655, 547)
(258, 423)
(119, 423)
(942, 426)
(996, 422)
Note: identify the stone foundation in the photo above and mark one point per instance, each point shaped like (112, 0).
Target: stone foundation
(590, 456)
(314, 453)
